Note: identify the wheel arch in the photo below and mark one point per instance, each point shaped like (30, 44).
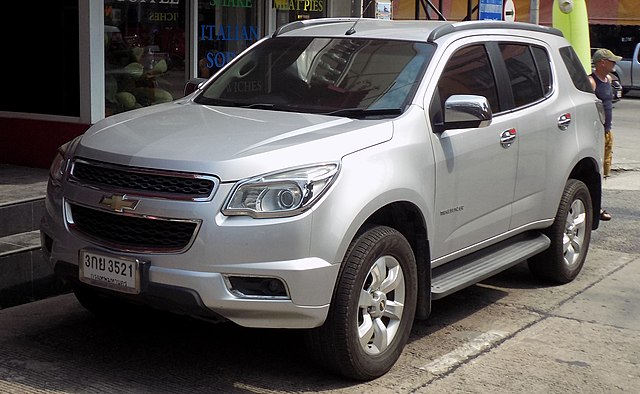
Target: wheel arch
(407, 218)
(586, 170)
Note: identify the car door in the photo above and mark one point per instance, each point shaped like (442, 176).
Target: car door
(475, 167)
(530, 78)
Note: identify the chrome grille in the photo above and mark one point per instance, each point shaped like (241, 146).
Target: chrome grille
(143, 181)
(132, 232)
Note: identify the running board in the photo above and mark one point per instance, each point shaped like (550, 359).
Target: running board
(480, 265)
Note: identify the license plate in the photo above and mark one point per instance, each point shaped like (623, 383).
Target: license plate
(111, 272)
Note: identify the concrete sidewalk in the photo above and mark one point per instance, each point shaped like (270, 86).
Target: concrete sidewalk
(590, 344)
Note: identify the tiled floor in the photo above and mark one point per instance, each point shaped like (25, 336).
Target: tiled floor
(18, 242)
(21, 183)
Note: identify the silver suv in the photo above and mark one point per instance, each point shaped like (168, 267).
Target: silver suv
(337, 177)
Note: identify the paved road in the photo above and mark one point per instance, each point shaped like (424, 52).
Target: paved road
(508, 334)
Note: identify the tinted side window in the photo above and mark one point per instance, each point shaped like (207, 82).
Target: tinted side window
(523, 74)
(544, 68)
(469, 72)
(576, 71)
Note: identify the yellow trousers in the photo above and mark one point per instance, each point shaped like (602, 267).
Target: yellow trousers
(608, 152)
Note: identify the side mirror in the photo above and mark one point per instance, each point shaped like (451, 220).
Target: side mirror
(466, 111)
(193, 84)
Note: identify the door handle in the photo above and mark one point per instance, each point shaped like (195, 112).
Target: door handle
(564, 121)
(507, 137)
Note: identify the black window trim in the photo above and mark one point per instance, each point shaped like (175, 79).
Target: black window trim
(505, 94)
(502, 78)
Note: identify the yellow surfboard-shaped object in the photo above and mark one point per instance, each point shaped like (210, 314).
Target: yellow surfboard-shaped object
(570, 17)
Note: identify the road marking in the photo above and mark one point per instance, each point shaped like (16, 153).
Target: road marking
(473, 348)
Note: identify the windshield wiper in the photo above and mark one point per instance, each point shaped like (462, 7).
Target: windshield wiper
(258, 105)
(365, 113)
(358, 113)
(239, 104)
(216, 101)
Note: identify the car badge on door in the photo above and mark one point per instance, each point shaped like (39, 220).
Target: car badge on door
(119, 202)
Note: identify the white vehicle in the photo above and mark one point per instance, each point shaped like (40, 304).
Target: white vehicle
(337, 177)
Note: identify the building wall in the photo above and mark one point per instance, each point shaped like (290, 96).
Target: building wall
(33, 142)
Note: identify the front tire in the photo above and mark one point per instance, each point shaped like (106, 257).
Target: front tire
(373, 307)
(570, 236)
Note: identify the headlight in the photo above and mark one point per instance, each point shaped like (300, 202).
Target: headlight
(59, 164)
(280, 194)
(56, 171)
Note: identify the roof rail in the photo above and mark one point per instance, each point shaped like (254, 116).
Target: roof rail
(443, 30)
(309, 22)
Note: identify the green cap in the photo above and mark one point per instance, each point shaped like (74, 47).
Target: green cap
(605, 54)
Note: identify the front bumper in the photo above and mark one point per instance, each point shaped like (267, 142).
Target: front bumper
(205, 296)
(194, 281)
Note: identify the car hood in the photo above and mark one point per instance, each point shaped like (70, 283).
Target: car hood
(231, 143)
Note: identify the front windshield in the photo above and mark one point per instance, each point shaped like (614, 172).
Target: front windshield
(322, 75)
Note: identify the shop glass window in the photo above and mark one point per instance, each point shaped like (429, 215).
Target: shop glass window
(144, 53)
(225, 28)
(52, 60)
(291, 11)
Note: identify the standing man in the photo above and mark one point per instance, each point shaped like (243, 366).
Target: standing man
(604, 61)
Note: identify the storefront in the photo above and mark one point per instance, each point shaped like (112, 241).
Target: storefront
(95, 59)
(89, 60)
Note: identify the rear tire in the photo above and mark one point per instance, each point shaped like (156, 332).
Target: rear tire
(570, 236)
(373, 307)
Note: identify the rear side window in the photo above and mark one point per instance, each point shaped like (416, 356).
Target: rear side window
(468, 71)
(523, 74)
(576, 71)
(544, 68)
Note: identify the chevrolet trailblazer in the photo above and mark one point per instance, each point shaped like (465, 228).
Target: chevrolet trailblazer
(336, 177)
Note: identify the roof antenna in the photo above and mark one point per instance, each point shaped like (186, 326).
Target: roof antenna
(352, 29)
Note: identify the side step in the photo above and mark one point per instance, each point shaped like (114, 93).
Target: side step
(478, 266)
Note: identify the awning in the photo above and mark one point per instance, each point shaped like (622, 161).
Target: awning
(600, 12)
(604, 12)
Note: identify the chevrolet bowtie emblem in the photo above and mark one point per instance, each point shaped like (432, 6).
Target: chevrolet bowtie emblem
(119, 202)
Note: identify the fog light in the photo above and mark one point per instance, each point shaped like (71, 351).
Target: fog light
(251, 286)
